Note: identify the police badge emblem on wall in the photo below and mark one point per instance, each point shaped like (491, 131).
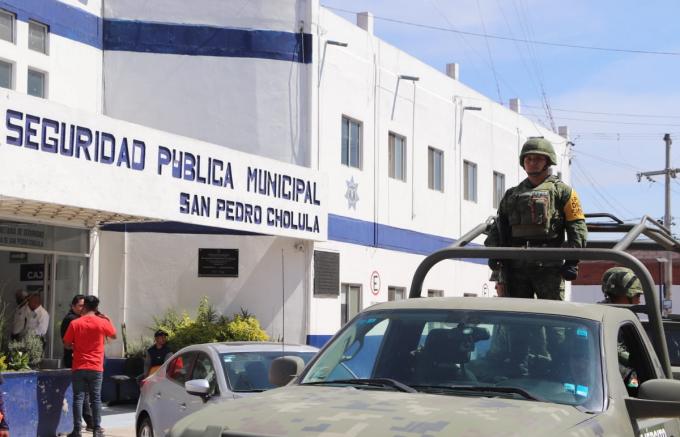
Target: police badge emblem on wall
(352, 194)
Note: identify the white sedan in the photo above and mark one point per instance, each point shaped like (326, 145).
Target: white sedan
(205, 374)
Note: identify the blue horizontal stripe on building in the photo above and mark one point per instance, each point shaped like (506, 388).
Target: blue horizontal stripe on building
(162, 38)
(342, 229)
(197, 40)
(364, 233)
(318, 340)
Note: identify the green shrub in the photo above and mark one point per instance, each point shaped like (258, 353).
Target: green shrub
(208, 327)
(18, 360)
(246, 329)
(26, 353)
(3, 363)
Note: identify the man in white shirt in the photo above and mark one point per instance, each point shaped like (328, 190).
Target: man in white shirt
(38, 319)
(20, 314)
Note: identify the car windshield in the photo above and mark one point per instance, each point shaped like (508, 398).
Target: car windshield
(469, 353)
(249, 371)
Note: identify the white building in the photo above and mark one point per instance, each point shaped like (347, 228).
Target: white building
(163, 127)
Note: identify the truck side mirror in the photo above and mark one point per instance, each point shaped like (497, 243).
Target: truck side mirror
(656, 398)
(284, 369)
(660, 390)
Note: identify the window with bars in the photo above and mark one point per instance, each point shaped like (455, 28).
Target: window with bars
(470, 181)
(397, 156)
(351, 142)
(435, 169)
(498, 188)
(435, 293)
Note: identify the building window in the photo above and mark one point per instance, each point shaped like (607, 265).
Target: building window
(435, 169)
(498, 188)
(6, 74)
(351, 142)
(397, 157)
(7, 20)
(350, 302)
(396, 293)
(435, 293)
(37, 36)
(36, 83)
(470, 181)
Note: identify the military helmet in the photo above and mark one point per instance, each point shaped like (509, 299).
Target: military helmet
(538, 146)
(621, 281)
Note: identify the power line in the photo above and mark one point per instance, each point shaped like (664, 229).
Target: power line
(507, 38)
(485, 61)
(616, 138)
(595, 186)
(620, 114)
(525, 25)
(606, 160)
(488, 50)
(618, 122)
(532, 76)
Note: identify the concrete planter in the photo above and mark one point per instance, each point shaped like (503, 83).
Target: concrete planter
(38, 403)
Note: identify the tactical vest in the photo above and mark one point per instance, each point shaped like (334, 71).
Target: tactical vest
(533, 215)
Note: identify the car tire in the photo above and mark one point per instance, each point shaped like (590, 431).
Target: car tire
(145, 429)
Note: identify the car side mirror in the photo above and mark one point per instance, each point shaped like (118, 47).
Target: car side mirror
(656, 398)
(284, 369)
(198, 387)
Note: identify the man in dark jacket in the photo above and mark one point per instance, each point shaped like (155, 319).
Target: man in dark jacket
(157, 354)
(73, 313)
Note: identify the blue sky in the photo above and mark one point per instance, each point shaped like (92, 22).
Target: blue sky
(609, 149)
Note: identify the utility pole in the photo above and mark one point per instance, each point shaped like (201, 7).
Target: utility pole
(667, 219)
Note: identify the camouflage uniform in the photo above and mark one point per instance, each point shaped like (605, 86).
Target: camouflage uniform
(537, 216)
(621, 281)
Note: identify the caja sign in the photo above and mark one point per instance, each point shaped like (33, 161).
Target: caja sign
(31, 272)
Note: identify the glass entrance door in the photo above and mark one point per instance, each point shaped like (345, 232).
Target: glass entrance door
(71, 278)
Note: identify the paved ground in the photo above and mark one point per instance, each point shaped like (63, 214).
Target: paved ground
(117, 421)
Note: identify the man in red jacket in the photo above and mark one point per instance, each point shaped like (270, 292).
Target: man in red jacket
(85, 335)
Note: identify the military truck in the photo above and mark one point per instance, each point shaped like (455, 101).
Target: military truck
(466, 366)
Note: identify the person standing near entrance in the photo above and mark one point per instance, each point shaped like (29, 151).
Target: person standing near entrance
(20, 314)
(537, 213)
(86, 335)
(38, 320)
(74, 312)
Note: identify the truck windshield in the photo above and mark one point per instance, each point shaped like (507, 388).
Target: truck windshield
(470, 353)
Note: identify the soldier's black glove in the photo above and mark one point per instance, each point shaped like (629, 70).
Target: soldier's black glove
(569, 272)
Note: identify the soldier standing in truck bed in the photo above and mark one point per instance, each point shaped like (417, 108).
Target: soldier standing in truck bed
(540, 212)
